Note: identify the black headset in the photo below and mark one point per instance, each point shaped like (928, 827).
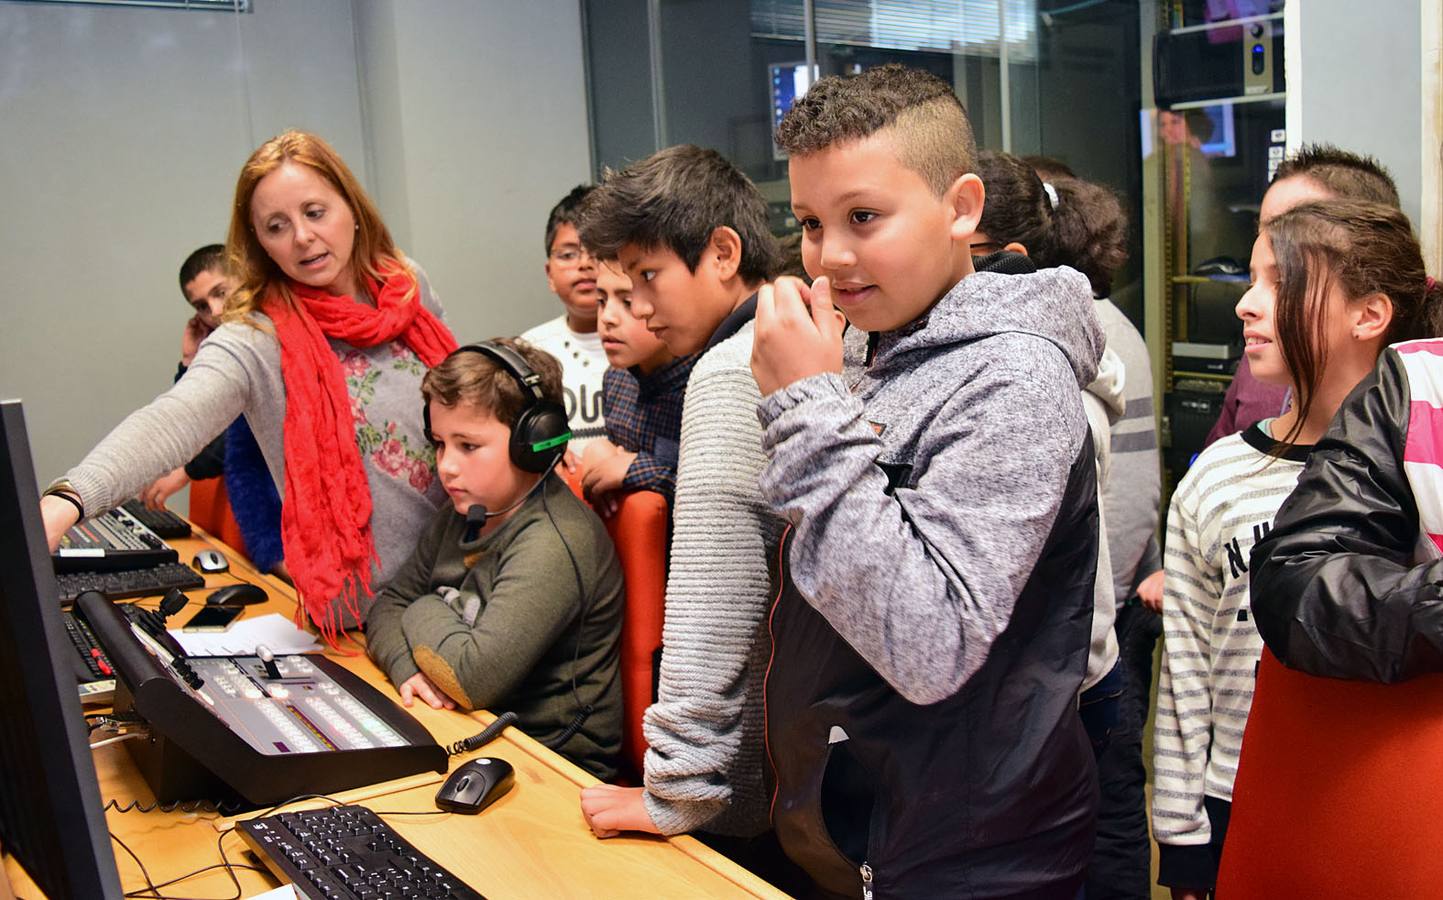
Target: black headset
(538, 439)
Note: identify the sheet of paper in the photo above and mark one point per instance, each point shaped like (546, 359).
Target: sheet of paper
(274, 631)
(284, 892)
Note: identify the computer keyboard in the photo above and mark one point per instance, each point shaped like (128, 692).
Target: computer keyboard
(347, 852)
(163, 522)
(123, 585)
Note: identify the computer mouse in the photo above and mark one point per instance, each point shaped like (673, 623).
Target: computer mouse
(210, 561)
(237, 595)
(475, 785)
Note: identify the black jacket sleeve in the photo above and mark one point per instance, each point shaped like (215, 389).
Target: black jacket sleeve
(208, 463)
(1335, 589)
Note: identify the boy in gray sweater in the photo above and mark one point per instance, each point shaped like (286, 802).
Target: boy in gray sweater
(691, 232)
(932, 628)
(513, 597)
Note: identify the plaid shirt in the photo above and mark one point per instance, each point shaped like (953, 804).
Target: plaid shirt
(643, 416)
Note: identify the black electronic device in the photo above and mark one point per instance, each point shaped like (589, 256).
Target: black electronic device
(222, 729)
(210, 562)
(123, 585)
(539, 437)
(163, 522)
(1219, 61)
(475, 785)
(213, 618)
(111, 541)
(93, 673)
(347, 851)
(50, 808)
(243, 594)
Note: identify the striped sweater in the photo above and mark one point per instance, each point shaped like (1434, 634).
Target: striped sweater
(1224, 505)
(704, 767)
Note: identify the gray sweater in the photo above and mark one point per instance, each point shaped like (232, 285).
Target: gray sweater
(1130, 498)
(497, 622)
(705, 763)
(983, 395)
(237, 371)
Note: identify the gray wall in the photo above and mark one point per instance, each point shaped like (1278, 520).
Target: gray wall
(1360, 85)
(124, 130)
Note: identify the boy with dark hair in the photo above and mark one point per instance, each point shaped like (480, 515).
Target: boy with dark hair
(254, 502)
(521, 610)
(205, 287)
(691, 231)
(571, 337)
(642, 397)
(1315, 172)
(932, 629)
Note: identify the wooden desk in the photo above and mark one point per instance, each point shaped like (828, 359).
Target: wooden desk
(531, 843)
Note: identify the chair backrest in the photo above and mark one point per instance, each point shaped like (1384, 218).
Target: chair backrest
(210, 509)
(641, 531)
(1339, 789)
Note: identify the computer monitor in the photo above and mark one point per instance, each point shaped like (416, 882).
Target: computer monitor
(788, 82)
(50, 810)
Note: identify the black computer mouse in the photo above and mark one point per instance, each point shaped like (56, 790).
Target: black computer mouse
(210, 561)
(475, 785)
(237, 595)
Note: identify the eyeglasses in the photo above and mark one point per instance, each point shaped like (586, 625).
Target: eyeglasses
(570, 255)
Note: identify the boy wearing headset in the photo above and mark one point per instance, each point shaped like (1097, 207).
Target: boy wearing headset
(513, 597)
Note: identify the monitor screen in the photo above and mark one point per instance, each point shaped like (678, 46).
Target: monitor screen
(50, 809)
(788, 82)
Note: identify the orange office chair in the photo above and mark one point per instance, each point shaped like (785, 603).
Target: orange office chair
(1339, 790)
(210, 509)
(641, 531)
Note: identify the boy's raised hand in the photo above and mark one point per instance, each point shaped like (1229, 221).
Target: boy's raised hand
(798, 333)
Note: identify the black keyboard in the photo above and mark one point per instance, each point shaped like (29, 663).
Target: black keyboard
(347, 852)
(123, 585)
(163, 522)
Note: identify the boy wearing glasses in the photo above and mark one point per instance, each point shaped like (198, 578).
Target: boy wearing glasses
(571, 337)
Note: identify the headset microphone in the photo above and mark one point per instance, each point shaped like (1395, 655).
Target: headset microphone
(477, 515)
(476, 518)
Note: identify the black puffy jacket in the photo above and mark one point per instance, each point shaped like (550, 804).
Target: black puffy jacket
(1349, 583)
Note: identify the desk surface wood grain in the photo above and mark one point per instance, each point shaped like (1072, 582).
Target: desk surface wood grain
(531, 843)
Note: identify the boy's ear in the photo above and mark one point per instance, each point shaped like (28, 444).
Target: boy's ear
(1372, 316)
(966, 196)
(550, 282)
(726, 246)
(1015, 247)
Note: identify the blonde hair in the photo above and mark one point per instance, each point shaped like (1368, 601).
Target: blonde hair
(374, 255)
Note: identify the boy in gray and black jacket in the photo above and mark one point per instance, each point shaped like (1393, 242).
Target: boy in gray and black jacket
(932, 629)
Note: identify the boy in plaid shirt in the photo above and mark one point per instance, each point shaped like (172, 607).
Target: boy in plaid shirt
(641, 399)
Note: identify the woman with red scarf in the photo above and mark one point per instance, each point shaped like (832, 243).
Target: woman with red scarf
(322, 348)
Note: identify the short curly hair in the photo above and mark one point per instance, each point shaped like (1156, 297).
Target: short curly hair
(933, 137)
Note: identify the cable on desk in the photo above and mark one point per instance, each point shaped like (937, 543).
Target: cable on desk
(185, 806)
(492, 732)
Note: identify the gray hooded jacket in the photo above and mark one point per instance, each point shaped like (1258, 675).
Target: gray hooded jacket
(933, 629)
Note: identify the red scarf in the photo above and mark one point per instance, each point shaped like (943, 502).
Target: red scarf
(326, 516)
